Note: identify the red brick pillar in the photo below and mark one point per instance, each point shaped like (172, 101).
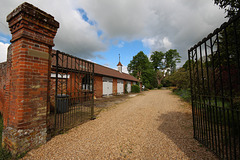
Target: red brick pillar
(32, 32)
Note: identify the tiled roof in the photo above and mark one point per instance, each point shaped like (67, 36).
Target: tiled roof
(119, 64)
(98, 69)
(105, 71)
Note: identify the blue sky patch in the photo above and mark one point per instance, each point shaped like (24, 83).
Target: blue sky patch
(99, 32)
(85, 17)
(126, 50)
(5, 38)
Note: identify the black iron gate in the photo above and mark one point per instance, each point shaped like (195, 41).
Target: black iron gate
(215, 89)
(71, 93)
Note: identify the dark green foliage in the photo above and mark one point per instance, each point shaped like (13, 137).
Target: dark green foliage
(135, 89)
(171, 58)
(230, 6)
(186, 64)
(141, 67)
(4, 154)
(185, 94)
(180, 79)
(166, 83)
(164, 61)
(152, 73)
(160, 86)
(149, 79)
(148, 86)
(138, 65)
(157, 60)
(125, 88)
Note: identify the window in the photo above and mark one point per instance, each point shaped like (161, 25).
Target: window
(87, 83)
(64, 76)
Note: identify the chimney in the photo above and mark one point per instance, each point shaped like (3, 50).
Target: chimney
(119, 65)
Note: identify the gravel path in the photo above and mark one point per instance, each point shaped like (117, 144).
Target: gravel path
(153, 125)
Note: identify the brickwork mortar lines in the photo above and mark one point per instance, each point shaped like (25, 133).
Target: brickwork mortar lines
(27, 88)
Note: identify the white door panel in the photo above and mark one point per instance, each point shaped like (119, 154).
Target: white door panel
(107, 86)
(128, 86)
(120, 86)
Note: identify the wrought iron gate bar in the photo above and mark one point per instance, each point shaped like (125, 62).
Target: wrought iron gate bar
(214, 66)
(71, 92)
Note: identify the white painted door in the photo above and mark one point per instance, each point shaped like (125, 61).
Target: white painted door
(128, 86)
(107, 86)
(119, 86)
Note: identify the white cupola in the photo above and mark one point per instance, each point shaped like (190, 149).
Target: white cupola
(119, 65)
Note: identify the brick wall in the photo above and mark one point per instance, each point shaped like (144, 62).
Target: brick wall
(114, 86)
(124, 84)
(6, 90)
(3, 78)
(28, 67)
(98, 86)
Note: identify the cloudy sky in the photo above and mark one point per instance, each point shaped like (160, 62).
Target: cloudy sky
(99, 30)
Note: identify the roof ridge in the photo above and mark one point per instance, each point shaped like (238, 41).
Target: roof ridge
(111, 68)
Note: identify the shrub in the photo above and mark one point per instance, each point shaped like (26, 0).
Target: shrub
(180, 79)
(125, 88)
(183, 93)
(135, 89)
(160, 86)
(166, 83)
(148, 86)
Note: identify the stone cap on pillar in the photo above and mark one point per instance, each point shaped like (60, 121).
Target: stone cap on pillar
(26, 20)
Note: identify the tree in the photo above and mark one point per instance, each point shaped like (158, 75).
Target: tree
(141, 68)
(180, 78)
(157, 60)
(164, 63)
(171, 58)
(138, 64)
(230, 6)
(186, 64)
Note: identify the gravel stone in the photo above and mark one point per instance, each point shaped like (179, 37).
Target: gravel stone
(152, 125)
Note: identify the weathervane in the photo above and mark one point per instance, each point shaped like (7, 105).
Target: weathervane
(119, 57)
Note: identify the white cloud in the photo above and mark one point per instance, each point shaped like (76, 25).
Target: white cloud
(166, 43)
(3, 51)
(3, 39)
(106, 65)
(75, 35)
(149, 42)
(121, 44)
(160, 24)
(124, 69)
(157, 44)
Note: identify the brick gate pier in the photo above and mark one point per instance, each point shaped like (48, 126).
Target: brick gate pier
(28, 72)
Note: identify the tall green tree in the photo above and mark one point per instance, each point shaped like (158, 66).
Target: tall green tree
(171, 58)
(163, 61)
(141, 68)
(157, 59)
(138, 65)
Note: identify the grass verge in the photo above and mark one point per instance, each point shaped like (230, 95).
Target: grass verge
(185, 94)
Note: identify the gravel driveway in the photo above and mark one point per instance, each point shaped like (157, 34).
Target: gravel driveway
(153, 125)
